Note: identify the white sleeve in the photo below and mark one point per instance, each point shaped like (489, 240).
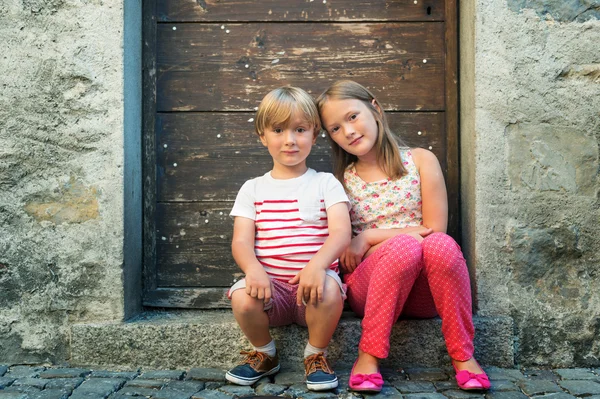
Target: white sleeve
(244, 202)
(333, 191)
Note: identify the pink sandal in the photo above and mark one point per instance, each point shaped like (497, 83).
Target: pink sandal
(468, 381)
(365, 382)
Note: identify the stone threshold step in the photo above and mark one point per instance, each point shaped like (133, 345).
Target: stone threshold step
(188, 339)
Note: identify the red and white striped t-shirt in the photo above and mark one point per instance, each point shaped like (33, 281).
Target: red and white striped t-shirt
(290, 218)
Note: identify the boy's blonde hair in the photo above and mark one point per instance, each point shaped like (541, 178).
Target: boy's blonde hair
(387, 144)
(280, 105)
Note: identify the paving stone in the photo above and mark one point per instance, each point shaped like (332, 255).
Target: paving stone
(414, 386)
(22, 388)
(503, 385)
(581, 388)
(202, 374)
(12, 395)
(193, 386)
(319, 395)
(237, 390)
(296, 390)
(213, 385)
(538, 387)
(537, 374)
(3, 369)
(128, 375)
(137, 391)
(142, 383)
(289, 378)
(424, 396)
(386, 392)
(23, 372)
(211, 394)
(558, 395)
(64, 373)
(5, 382)
(506, 395)
(51, 394)
(266, 388)
(576, 374)
(39, 383)
(163, 375)
(445, 385)
(428, 374)
(458, 394)
(495, 373)
(169, 393)
(64, 383)
(97, 386)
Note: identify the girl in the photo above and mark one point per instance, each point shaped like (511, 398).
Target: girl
(400, 261)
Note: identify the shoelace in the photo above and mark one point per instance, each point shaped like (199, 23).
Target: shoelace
(253, 358)
(316, 362)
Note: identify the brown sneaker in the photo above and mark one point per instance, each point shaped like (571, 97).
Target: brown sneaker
(254, 366)
(319, 376)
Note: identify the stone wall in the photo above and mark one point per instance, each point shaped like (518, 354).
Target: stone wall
(530, 130)
(61, 178)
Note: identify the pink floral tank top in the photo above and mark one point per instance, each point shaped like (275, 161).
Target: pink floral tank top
(385, 204)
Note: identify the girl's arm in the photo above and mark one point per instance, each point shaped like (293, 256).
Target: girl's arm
(311, 279)
(258, 284)
(433, 190)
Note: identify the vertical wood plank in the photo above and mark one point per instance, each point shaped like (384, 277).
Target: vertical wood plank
(149, 147)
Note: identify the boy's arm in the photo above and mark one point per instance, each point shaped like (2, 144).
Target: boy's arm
(258, 284)
(311, 279)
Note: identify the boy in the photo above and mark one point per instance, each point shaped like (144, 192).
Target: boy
(290, 227)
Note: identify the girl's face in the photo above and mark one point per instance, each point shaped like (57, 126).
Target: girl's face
(352, 125)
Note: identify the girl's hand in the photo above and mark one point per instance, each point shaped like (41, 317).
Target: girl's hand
(258, 285)
(353, 255)
(311, 281)
(421, 233)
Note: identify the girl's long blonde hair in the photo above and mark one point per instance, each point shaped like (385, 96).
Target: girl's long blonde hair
(387, 144)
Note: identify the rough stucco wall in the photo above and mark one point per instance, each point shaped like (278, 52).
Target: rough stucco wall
(536, 185)
(61, 198)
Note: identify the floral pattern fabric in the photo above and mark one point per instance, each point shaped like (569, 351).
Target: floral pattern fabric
(385, 204)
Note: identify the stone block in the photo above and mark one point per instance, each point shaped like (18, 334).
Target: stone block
(414, 386)
(163, 375)
(581, 388)
(64, 373)
(138, 391)
(495, 373)
(552, 158)
(187, 386)
(503, 385)
(127, 375)
(24, 372)
(576, 374)
(237, 390)
(51, 394)
(6, 381)
(29, 390)
(458, 394)
(168, 393)
(39, 383)
(538, 387)
(3, 370)
(434, 395)
(211, 394)
(206, 374)
(64, 383)
(426, 374)
(505, 395)
(445, 385)
(12, 395)
(540, 374)
(144, 383)
(269, 389)
(557, 395)
(289, 377)
(98, 386)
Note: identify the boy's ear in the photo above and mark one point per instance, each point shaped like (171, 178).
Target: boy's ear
(263, 140)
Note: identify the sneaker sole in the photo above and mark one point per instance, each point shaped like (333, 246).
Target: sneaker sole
(322, 386)
(249, 381)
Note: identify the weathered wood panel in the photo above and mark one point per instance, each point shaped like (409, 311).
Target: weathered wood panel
(193, 245)
(306, 10)
(208, 156)
(201, 67)
(195, 298)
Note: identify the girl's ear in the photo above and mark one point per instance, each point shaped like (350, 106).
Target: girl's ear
(376, 106)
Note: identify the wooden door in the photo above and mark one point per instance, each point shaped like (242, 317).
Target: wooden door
(208, 63)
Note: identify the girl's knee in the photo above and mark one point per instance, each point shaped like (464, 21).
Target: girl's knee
(244, 304)
(439, 242)
(405, 247)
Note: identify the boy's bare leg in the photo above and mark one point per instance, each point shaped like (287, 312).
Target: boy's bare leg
(251, 317)
(322, 319)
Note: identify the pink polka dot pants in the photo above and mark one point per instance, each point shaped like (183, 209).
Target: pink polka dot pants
(422, 280)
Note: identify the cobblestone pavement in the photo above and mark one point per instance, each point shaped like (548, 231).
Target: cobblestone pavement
(39, 382)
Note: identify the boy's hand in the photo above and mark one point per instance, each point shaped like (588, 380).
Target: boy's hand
(258, 285)
(353, 255)
(311, 281)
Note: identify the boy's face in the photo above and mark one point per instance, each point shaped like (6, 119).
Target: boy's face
(289, 146)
